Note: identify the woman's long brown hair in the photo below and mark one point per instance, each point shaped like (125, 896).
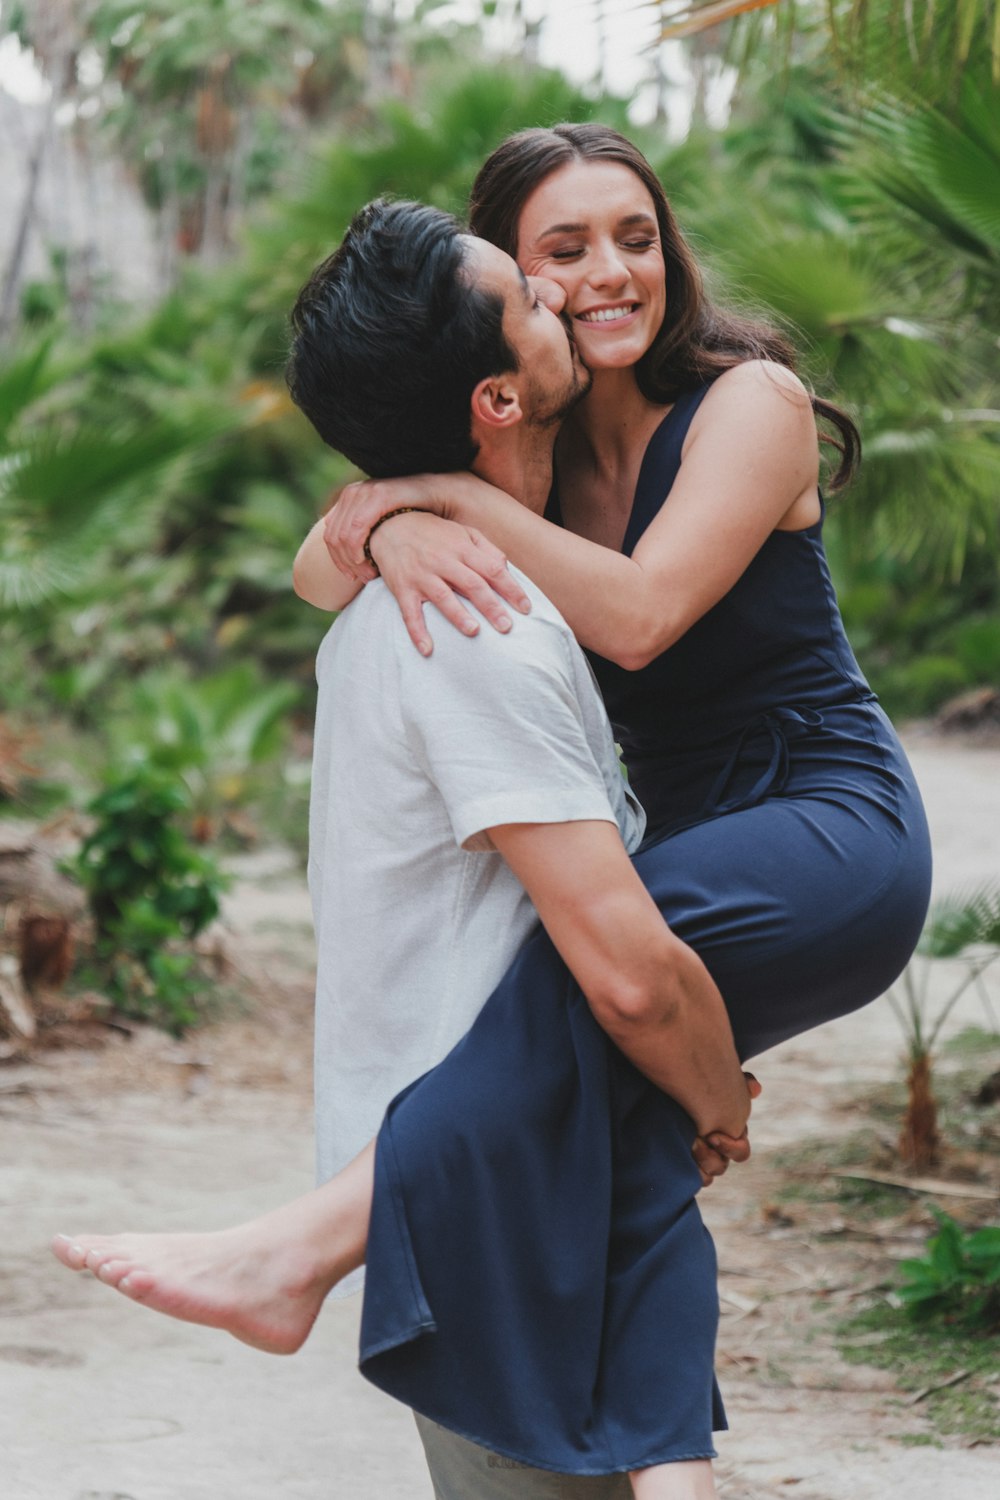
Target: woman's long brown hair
(697, 340)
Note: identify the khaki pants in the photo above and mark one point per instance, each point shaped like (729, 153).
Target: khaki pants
(461, 1470)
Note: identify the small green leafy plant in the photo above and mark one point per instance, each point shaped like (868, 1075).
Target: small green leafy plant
(966, 926)
(957, 1279)
(150, 893)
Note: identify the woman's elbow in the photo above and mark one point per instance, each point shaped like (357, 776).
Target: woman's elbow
(643, 645)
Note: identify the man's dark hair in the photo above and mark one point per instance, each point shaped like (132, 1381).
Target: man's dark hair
(390, 341)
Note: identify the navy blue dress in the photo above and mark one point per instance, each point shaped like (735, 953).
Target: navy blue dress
(539, 1277)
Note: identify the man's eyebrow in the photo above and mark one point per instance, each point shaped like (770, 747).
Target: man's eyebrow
(624, 223)
(525, 288)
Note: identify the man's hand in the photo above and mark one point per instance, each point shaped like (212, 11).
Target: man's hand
(713, 1154)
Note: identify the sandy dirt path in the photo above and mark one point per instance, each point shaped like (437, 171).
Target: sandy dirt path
(101, 1400)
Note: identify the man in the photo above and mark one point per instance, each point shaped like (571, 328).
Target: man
(454, 798)
(498, 743)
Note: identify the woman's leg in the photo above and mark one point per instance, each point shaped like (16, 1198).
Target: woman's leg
(264, 1282)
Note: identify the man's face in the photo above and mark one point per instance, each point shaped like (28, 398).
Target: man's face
(551, 375)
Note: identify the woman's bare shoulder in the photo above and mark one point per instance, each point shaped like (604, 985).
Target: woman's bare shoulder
(758, 411)
(763, 382)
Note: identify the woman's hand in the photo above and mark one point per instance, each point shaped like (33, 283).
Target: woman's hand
(424, 558)
(360, 505)
(713, 1154)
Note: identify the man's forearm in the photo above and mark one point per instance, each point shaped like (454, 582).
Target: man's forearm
(678, 1034)
(648, 990)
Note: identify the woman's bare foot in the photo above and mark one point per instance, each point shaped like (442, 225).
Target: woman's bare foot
(264, 1282)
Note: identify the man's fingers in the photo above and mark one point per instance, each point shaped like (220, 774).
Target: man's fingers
(710, 1162)
(754, 1085)
(733, 1148)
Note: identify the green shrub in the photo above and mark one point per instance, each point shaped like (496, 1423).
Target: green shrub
(150, 893)
(977, 646)
(957, 1280)
(920, 686)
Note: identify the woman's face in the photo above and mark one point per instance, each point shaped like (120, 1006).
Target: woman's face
(591, 227)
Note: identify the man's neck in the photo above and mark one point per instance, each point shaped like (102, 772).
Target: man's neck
(519, 462)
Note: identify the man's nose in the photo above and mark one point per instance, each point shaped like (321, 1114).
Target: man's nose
(549, 293)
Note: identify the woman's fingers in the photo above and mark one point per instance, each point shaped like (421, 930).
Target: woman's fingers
(349, 522)
(411, 607)
(496, 572)
(424, 559)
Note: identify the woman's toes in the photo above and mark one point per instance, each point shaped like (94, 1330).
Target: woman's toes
(137, 1285)
(113, 1272)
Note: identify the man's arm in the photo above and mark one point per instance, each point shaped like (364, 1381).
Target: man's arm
(647, 989)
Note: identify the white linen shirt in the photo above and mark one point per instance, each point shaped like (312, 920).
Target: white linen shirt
(417, 916)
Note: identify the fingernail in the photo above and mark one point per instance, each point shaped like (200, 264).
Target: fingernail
(504, 623)
(424, 647)
(471, 628)
(525, 606)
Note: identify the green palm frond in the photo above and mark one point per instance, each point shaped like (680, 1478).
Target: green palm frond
(967, 918)
(65, 497)
(944, 171)
(876, 37)
(25, 378)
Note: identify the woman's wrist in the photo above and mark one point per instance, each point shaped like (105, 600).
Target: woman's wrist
(400, 510)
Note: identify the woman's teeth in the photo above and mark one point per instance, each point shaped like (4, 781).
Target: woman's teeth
(607, 314)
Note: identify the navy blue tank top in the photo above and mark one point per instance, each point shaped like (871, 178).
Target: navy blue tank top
(706, 726)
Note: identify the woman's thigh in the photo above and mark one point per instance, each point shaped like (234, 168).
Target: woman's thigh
(803, 909)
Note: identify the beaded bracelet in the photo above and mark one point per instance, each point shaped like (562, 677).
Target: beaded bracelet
(402, 510)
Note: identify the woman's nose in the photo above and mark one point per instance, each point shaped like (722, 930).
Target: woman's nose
(549, 293)
(606, 267)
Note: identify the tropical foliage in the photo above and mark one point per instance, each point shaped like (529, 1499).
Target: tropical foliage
(957, 1279)
(965, 927)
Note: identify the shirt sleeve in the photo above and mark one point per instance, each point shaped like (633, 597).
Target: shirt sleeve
(496, 723)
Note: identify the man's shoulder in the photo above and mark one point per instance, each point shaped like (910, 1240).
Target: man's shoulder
(539, 639)
(371, 630)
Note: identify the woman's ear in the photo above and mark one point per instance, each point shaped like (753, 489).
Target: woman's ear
(496, 402)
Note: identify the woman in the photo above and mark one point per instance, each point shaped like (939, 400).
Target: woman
(787, 842)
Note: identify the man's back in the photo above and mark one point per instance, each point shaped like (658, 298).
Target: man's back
(413, 758)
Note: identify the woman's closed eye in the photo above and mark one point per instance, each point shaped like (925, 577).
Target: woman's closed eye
(573, 252)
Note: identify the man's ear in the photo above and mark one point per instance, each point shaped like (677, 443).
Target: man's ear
(496, 402)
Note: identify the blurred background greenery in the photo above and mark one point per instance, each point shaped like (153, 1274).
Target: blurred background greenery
(836, 161)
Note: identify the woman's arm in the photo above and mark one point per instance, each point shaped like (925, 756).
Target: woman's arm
(750, 464)
(426, 559)
(316, 580)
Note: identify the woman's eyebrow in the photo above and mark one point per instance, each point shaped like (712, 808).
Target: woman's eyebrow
(626, 222)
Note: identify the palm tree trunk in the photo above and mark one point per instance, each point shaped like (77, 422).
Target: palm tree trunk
(919, 1142)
